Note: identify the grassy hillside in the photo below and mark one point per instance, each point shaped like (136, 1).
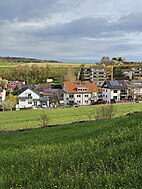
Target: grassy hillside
(91, 155)
(30, 118)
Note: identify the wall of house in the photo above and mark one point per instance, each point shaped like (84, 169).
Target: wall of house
(106, 95)
(79, 98)
(28, 99)
(116, 94)
(3, 95)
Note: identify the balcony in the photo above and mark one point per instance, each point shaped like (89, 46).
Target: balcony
(25, 98)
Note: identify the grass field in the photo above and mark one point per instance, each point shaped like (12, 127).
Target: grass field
(15, 120)
(90, 155)
(60, 66)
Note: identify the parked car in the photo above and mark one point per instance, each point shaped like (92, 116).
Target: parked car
(99, 101)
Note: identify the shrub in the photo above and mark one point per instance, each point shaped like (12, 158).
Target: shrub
(105, 112)
(44, 119)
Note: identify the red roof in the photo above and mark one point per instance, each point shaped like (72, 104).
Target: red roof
(72, 87)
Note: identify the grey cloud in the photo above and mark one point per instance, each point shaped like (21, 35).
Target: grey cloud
(129, 23)
(25, 9)
(77, 28)
(85, 37)
(99, 27)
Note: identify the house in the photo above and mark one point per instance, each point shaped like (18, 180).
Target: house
(13, 84)
(81, 93)
(2, 95)
(55, 95)
(114, 90)
(134, 89)
(30, 99)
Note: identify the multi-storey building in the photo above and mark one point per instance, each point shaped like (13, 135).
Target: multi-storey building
(81, 93)
(137, 72)
(96, 74)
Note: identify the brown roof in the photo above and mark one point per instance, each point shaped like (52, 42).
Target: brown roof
(71, 87)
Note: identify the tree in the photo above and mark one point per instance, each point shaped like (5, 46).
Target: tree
(81, 73)
(4, 83)
(121, 59)
(70, 76)
(9, 103)
(105, 60)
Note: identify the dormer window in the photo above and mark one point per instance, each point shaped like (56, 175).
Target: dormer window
(81, 89)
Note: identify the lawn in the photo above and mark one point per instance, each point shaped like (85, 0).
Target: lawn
(90, 155)
(15, 120)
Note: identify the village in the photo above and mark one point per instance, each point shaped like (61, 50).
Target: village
(93, 86)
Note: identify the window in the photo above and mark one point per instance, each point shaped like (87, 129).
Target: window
(123, 91)
(86, 101)
(86, 95)
(78, 101)
(29, 95)
(84, 89)
(71, 96)
(29, 102)
(81, 89)
(115, 91)
(78, 96)
(115, 97)
(35, 104)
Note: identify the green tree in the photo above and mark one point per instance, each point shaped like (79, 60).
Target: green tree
(9, 103)
(81, 73)
(4, 83)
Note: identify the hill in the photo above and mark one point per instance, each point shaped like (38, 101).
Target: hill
(90, 155)
(24, 59)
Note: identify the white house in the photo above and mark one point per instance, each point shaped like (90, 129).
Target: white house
(81, 93)
(134, 89)
(30, 99)
(114, 90)
(2, 95)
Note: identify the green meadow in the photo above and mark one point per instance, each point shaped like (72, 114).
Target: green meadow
(16, 120)
(103, 154)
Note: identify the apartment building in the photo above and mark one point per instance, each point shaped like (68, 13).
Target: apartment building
(81, 93)
(96, 74)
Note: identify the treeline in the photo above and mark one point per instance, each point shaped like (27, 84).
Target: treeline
(29, 74)
(33, 74)
(23, 59)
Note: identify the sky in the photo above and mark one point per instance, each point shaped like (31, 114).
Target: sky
(71, 30)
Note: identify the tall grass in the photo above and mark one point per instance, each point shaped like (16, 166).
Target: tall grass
(95, 154)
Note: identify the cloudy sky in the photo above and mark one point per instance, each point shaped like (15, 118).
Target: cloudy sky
(71, 30)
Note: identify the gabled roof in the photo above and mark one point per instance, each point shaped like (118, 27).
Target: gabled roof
(50, 90)
(24, 89)
(42, 86)
(115, 84)
(71, 87)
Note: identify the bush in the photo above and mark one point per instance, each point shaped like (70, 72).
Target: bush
(44, 119)
(105, 112)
